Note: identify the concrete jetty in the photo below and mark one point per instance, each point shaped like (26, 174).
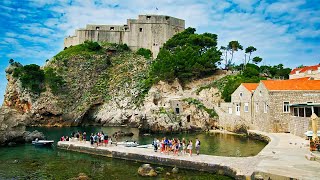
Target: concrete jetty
(282, 158)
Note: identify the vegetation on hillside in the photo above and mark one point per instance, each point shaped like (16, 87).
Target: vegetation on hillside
(31, 77)
(146, 53)
(186, 56)
(53, 80)
(87, 48)
(251, 74)
(201, 106)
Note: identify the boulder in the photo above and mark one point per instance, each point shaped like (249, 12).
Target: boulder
(146, 170)
(31, 136)
(122, 134)
(175, 170)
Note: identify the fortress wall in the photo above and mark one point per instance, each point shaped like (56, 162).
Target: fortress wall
(148, 31)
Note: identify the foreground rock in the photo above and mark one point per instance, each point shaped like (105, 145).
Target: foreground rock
(12, 128)
(122, 134)
(147, 170)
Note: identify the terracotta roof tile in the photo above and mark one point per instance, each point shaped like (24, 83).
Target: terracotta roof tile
(304, 69)
(292, 84)
(250, 86)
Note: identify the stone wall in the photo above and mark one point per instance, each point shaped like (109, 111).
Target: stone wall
(148, 31)
(299, 125)
(242, 96)
(261, 118)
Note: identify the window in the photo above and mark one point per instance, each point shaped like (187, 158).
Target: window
(295, 111)
(257, 107)
(265, 109)
(308, 111)
(240, 94)
(309, 71)
(97, 28)
(148, 17)
(230, 110)
(140, 29)
(167, 17)
(177, 110)
(111, 28)
(260, 93)
(316, 110)
(286, 107)
(301, 112)
(125, 28)
(246, 107)
(188, 118)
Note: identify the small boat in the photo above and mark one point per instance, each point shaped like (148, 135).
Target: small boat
(310, 133)
(149, 146)
(43, 142)
(127, 144)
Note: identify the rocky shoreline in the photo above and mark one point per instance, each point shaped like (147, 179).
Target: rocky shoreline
(13, 129)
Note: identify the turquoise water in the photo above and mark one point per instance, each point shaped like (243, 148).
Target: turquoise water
(29, 162)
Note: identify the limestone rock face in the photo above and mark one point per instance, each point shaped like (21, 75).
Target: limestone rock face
(103, 90)
(11, 125)
(146, 170)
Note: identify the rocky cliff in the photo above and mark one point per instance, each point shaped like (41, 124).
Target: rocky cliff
(105, 87)
(12, 127)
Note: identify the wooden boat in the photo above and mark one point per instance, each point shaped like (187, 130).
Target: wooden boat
(43, 142)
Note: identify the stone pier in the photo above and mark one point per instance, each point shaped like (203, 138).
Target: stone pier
(282, 158)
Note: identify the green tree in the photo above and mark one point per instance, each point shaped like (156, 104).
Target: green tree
(225, 51)
(11, 61)
(31, 77)
(146, 53)
(187, 56)
(234, 46)
(249, 50)
(256, 59)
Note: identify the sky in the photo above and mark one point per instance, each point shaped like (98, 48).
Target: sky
(283, 31)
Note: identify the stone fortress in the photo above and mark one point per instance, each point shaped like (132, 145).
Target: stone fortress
(148, 31)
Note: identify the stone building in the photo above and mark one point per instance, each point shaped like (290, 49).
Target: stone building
(273, 106)
(285, 105)
(307, 71)
(148, 31)
(241, 100)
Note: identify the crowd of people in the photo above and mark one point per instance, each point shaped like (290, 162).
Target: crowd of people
(96, 139)
(165, 145)
(176, 146)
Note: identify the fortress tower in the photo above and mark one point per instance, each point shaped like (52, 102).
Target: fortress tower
(148, 31)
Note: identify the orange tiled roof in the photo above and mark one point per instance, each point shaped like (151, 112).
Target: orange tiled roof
(292, 84)
(304, 69)
(250, 86)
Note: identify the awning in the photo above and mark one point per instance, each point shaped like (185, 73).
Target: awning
(305, 104)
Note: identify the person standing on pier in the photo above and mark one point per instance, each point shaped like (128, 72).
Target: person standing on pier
(197, 146)
(190, 147)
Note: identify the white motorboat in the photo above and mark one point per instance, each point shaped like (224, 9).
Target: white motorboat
(43, 142)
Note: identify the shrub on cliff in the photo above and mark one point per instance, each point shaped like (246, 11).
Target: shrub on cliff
(31, 77)
(87, 48)
(146, 53)
(54, 81)
(187, 56)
